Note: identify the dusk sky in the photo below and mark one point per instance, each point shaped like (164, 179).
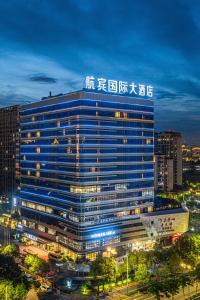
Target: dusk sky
(51, 45)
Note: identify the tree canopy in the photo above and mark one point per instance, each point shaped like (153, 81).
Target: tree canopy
(34, 263)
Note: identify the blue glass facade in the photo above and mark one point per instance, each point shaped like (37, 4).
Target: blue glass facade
(86, 163)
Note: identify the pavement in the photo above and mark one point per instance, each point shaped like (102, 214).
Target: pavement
(24, 249)
(32, 295)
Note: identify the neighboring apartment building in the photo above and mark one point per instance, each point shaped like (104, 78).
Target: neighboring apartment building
(87, 170)
(168, 155)
(164, 173)
(9, 156)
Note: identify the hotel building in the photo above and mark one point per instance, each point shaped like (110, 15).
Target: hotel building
(86, 162)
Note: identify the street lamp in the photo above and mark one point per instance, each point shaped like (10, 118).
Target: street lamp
(127, 271)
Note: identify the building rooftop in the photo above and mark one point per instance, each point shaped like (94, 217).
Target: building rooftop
(84, 94)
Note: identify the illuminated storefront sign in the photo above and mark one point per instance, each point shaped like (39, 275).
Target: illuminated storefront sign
(118, 87)
(102, 234)
(31, 237)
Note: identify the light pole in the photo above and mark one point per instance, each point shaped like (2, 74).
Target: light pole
(127, 271)
(6, 292)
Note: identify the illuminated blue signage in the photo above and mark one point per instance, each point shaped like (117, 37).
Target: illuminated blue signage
(118, 87)
(102, 234)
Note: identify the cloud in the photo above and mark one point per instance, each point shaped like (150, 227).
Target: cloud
(42, 78)
(15, 78)
(155, 42)
(15, 99)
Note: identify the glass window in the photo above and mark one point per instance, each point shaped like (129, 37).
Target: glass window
(51, 231)
(120, 187)
(69, 150)
(24, 222)
(147, 192)
(125, 115)
(55, 142)
(41, 228)
(117, 114)
(31, 225)
(150, 208)
(149, 141)
(31, 205)
(137, 211)
(40, 207)
(84, 189)
(49, 210)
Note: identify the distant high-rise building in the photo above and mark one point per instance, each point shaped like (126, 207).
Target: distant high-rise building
(9, 155)
(168, 157)
(187, 160)
(195, 153)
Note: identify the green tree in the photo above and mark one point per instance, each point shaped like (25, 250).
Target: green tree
(103, 270)
(171, 286)
(174, 261)
(184, 280)
(142, 274)
(188, 248)
(155, 288)
(159, 255)
(10, 291)
(132, 261)
(122, 269)
(19, 291)
(9, 269)
(10, 250)
(196, 274)
(34, 263)
(85, 287)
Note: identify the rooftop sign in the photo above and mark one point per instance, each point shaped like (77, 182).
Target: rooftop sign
(118, 87)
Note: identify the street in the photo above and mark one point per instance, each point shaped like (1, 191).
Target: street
(120, 294)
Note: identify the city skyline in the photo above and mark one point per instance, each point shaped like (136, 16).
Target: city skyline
(50, 46)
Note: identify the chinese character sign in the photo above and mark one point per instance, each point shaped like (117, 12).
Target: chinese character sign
(118, 87)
